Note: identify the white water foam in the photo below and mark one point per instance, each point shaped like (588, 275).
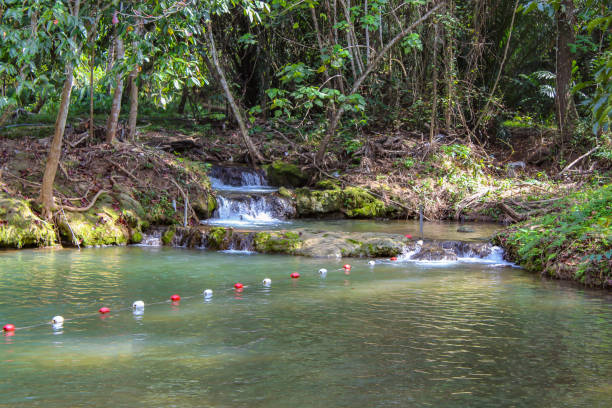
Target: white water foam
(250, 211)
(494, 258)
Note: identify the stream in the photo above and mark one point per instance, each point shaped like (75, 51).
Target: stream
(474, 332)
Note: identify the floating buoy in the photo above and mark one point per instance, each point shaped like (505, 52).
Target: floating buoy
(104, 310)
(9, 328)
(207, 293)
(393, 258)
(175, 298)
(371, 263)
(238, 285)
(347, 266)
(295, 275)
(57, 320)
(138, 305)
(322, 271)
(408, 236)
(266, 282)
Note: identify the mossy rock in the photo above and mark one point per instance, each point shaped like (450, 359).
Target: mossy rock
(285, 174)
(285, 192)
(20, 227)
(103, 224)
(353, 202)
(204, 205)
(168, 236)
(328, 184)
(277, 242)
(217, 238)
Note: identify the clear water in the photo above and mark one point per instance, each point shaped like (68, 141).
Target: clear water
(392, 335)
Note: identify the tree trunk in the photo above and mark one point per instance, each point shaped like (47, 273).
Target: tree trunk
(450, 77)
(183, 101)
(91, 93)
(113, 117)
(565, 37)
(39, 104)
(253, 151)
(434, 103)
(133, 105)
(46, 193)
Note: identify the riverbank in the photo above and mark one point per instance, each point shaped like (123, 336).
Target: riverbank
(572, 242)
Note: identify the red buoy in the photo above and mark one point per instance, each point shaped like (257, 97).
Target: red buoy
(295, 275)
(104, 310)
(408, 236)
(9, 327)
(238, 285)
(393, 258)
(175, 298)
(347, 266)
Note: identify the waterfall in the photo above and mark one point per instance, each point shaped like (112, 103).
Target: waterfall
(244, 199)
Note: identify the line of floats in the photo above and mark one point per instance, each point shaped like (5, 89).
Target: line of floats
(138, 306)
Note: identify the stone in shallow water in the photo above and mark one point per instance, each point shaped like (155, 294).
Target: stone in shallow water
(465, 228)
(434, 253)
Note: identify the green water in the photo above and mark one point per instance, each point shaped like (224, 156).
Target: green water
(400, 335)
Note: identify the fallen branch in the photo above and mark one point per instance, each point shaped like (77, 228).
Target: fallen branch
(569, 166)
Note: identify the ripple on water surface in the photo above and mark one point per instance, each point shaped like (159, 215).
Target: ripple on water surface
(403, 335)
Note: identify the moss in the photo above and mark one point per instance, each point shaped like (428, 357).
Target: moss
(136, 237)
(352, 202)
(277, 242)
(216, 238)
(327, 185)
(285, 174)
(103, 224)
(204, 205)
(285, 192)
(168, 236)
(20, 227)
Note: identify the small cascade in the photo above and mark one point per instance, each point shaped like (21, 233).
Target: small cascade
(454, 251)
(151, 239)
(245, 199)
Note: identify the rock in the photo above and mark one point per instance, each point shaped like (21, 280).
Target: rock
(20, 227)
(351, 202)
(431, 252)
(285, 174)
(465, 229)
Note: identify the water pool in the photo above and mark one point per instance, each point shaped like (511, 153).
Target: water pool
(392, 335)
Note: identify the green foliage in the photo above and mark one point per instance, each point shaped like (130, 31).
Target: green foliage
(574, 241)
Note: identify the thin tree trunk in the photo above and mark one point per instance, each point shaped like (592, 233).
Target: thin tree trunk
(91, 92)
(450, 73)
(133, 104)
(336, 118)
(367, 33)
(46, 193)
(565, 37)
(253, 151)
(434, 107)
(183, 101)
(113, 117)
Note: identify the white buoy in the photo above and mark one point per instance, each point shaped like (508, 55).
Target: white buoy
(267, 282)
(323, 271)
(371, 263)
(208, 293)
(138, 305)
(57, 320)
(420, 242)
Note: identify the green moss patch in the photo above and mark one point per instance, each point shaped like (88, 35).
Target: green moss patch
(20, 227)
(352, 202)
(285, 174)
